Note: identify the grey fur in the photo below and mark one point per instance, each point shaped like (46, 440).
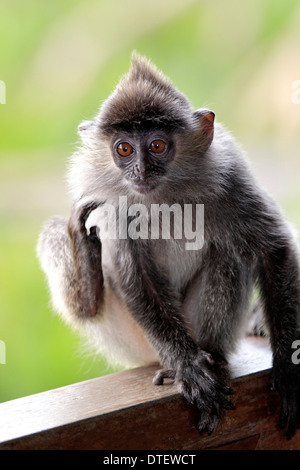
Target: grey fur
(159, 302)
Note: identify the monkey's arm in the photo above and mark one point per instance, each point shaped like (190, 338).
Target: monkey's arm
(280, 292)
(87, 260)
(202, 376)
(72, 263)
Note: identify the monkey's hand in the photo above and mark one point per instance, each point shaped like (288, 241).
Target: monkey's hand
(286, 381)
(87, 259)
(204, 382)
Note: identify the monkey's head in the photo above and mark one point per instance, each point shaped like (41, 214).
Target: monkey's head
(150, 128)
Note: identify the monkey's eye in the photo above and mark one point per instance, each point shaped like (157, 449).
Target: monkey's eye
(157, 146)
(124, 149)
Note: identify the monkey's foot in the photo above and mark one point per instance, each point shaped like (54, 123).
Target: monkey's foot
(257, 325)
(159, 377)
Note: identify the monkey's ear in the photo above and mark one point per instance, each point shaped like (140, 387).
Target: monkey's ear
(84, 126)
(84, 130)
(204, 121)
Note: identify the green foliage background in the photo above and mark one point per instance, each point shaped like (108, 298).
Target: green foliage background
(59, 61)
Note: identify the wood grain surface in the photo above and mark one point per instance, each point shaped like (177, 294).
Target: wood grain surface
(125, 411)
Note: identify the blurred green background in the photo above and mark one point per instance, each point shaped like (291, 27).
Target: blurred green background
(59, 61)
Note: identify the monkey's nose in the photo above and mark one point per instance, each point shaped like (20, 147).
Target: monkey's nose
(141, 170)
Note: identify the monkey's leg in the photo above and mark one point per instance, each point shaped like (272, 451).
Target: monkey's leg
(202, 378)
(72, 265)
(280, 291)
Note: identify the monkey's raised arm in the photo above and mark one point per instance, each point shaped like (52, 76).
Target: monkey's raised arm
(87, 260)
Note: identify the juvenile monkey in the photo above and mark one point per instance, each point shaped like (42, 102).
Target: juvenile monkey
(146, 300)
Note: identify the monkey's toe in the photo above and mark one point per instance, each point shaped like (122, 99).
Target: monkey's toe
(159, 377)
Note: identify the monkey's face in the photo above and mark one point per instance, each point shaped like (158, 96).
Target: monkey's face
(143, 158)
(151, 130)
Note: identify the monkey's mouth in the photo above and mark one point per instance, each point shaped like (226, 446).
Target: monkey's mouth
(144, 187)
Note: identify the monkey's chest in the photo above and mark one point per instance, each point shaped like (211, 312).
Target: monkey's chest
(128, 341)
(178, 264)
(123, 338)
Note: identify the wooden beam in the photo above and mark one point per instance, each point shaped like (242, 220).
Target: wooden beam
(125, 411)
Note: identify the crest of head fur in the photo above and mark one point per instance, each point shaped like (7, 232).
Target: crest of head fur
(144, 99)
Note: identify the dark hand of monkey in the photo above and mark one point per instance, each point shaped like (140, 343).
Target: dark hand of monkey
(87, 259)
(204, 382)
(286, 381)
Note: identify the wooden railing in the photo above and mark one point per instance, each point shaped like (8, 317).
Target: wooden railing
(125, 411)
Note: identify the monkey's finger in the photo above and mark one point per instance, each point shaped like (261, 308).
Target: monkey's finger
(207, 398)
(291, 430)
(294, 421)
(92, 235)
(203, 422)
(224, 390)
(86, 210)
(207, 422)
(214, 421)
(283, 416)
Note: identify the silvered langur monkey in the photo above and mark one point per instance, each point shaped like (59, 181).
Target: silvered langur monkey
(146, 300)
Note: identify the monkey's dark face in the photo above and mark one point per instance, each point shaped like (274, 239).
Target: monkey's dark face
(143, 157)
(148, 123)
